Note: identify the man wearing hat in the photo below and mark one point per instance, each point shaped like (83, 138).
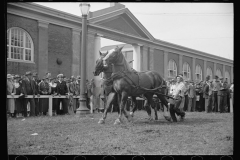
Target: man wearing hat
(178, 94)
(222, 96)
(191, 97)
(28, 86)
(205, 89)
(36, 82)
(216, 86)
(61, 90)
(18, 101)
(10, 91)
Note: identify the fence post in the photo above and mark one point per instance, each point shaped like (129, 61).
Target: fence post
(50, 106)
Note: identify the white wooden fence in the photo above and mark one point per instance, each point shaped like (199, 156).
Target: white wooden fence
(50, 97)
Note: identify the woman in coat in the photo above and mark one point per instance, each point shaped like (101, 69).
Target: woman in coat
(18, 101)
(10, 91)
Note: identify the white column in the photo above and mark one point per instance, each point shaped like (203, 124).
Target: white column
(76, 52)
(223, 72)
(144, 64)
(136, 57)
(180, 65)
(151, 59)
(204, 69)
(97, 47)
(193, 68)
(214, 69)
(165, 65)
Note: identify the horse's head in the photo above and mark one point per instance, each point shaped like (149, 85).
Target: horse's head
(99, 64)
(112, 56)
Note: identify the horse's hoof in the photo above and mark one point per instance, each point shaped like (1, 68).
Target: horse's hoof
(131, 114)
(117, 121)
(168, 119)
(101, 121)
(156, 118)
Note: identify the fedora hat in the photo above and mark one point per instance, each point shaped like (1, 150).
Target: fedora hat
(28, 73)
(60, 76)
(9, 76)
(17, 76)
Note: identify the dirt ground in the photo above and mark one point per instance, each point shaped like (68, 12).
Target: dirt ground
(200, 134)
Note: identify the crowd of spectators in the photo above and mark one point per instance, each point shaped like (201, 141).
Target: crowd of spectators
(204, 96)
(31, 84)
(209, 95)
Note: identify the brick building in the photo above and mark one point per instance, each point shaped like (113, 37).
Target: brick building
(43, 39)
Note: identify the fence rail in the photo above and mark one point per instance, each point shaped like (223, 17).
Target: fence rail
(50, 97)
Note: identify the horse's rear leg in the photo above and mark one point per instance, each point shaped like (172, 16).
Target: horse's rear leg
(110, 98)
(133, 108)
(147, 106)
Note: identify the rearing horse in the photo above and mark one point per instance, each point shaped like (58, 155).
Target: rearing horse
(127, 82)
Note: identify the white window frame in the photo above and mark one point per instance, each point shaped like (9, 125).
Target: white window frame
(198, 73)
(227, 75)
(187, 70)
(210, 73)
(25, 35)
(172, 66)
(219, 73)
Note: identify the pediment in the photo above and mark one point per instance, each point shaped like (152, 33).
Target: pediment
(123, 22)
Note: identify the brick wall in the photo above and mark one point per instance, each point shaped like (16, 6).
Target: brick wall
(159, 61)
(31, 27)
(59, 46)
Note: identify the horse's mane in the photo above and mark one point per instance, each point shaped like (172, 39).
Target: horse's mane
(119, 59)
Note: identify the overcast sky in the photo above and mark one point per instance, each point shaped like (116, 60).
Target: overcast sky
(207, 27)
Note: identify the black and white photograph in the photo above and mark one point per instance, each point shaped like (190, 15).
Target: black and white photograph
(120, 78)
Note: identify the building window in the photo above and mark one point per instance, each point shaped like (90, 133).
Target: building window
(209, 73)
(198, 73)
(19, 45)
(186, 71)
(227, 75)
(172, 69)
(219, 73)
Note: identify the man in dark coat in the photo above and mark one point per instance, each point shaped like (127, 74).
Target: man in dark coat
(28, 87)
(222, 99)
(62, 90)
(205, 88)
(36, 82)
(216, 87)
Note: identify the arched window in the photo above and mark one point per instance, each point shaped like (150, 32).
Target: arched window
(172, 69)
(186, 71)
(227, 75)
(198, 73)
(219, 73)
(19, 45)
(209, 73)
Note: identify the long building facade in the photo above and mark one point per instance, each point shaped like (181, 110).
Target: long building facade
(44, 40)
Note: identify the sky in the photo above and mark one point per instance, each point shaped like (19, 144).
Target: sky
(206, 27)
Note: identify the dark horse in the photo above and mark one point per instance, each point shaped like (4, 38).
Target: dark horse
(126, 82)
(109, 93)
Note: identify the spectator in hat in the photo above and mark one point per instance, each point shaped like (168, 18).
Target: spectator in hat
(44, 89)
(205, 89)
(178, 94)
(191, 97)
(210, 95)
(78, 79)
(18, 101)
(228, 94)
(10, 91)
(72, 90)
(186, 95)
(29, 89)
(53, 86)
(216, 87)
(222, 100)
(36, 82)
(62, 90)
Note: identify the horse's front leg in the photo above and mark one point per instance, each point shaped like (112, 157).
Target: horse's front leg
(147, 106)
(122, 98)
(110, 98)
